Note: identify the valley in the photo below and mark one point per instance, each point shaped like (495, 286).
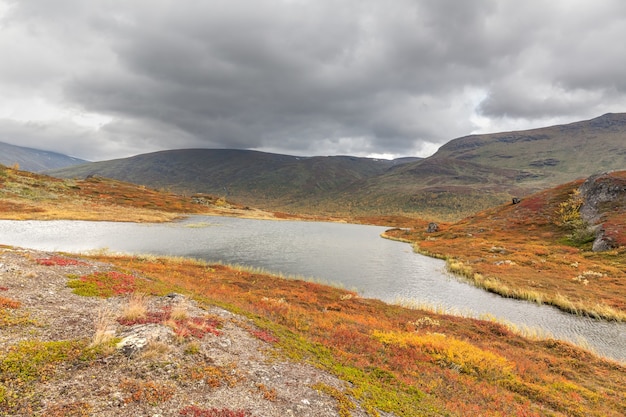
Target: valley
(359, 356)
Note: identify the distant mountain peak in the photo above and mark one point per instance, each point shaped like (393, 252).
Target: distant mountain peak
(35, 160)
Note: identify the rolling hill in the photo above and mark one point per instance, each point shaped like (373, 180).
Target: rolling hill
(551, 155)
(34, 160)
(466, 175)
(256, 178)
(26, 195)
(475, 172)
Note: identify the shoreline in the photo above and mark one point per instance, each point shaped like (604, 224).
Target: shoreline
(465, 274)
(269, 336)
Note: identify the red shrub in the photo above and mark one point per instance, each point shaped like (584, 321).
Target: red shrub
(58, 261)
(196, 327)
(264, 335)
(188, 327)
(8, 303)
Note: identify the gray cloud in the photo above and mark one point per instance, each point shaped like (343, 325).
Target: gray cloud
(305, 77)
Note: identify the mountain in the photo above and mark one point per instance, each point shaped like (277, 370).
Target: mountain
(34, 160)
(251, 177)
(466, 175)
(474, 172)
(550, 155)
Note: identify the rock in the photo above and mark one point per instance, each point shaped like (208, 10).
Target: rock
(138, 337)
(599, 189)
(600, 192)
(174, 296)
(432, 227)
(603, 243)
(498, 249)
(516, 200)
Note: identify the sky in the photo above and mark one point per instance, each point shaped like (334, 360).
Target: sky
(105, 79)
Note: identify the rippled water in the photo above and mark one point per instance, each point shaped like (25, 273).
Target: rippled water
(353, 256)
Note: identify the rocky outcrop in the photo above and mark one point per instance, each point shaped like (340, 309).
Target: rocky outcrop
(139, 336)
(602, 193)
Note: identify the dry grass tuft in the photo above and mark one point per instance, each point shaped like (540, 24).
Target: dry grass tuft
(155, 351)
(180, 311)
(104, 328)
(136, 307)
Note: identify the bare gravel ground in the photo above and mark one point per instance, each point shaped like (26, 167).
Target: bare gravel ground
(158, 373)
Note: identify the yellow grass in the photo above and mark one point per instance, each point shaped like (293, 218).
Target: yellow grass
(136, 306)
(104, 330)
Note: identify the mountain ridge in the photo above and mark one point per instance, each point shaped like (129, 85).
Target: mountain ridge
(466, 175)
(35, 160)
(558, 151)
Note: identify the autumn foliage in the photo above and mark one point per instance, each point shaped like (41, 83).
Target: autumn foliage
(400, 360)
(535, 250)
(56, 260)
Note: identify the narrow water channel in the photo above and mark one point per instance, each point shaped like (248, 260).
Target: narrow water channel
(353, 256)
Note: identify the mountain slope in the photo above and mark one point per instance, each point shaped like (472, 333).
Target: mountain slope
(34, 160)
(466, 175)
(251, 177)
(552, 155)
(475, 172)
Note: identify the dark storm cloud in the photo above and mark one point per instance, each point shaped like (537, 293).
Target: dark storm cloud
(570, 64)
(311, 77)
(297, 74)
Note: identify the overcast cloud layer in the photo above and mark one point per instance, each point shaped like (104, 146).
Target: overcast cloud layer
(102, 79)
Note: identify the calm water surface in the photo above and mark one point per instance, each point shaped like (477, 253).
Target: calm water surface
(353, 256)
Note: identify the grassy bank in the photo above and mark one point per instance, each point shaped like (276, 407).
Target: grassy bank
(521, 251)
(28, 196)
(401, 360)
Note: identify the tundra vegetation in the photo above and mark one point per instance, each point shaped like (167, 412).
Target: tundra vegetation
(538, 250)
(25, 195)
(391, 358)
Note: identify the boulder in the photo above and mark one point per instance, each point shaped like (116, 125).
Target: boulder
(137, 337)
(432, 227)
(603, 243)
(600, 192)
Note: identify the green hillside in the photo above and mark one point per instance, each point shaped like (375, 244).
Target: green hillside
(249, 177)
(466, 175)
(550, 155)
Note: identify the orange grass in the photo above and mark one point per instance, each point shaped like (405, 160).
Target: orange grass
(405, 361)
(518, 251)
(25, 195)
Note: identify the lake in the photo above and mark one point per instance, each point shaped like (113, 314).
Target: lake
(352, 256)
